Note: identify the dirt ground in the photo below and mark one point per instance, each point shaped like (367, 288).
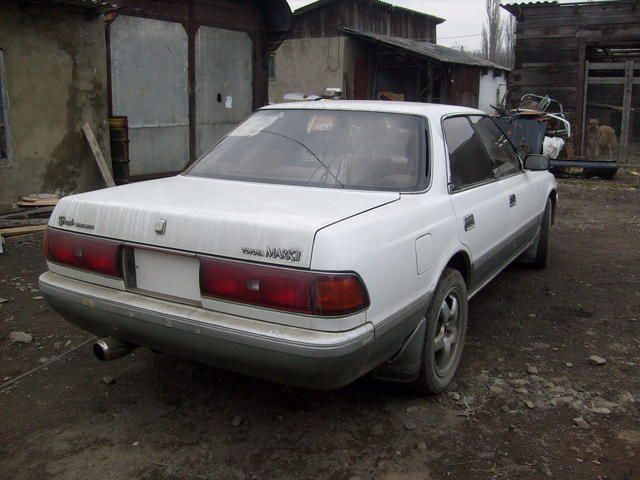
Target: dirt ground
(166, 418)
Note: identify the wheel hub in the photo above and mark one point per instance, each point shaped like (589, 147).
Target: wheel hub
(447, 337)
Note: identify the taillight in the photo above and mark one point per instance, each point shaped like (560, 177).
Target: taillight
(84, 252)
(310, 293)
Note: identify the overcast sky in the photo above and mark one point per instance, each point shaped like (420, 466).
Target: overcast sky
(464, 18)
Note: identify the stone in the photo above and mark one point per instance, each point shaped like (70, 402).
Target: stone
(236, 421)
(38, 298)
(597, 360)
(529, 404)
(626, 398)
(496, 390)
(500, 382)
(43, 359)
(568, 364)
(602, 403)
(519, 382)
(545, 470)
(537, 379)
(540, 404)
(455, 396)
(240, 475)
(409, 425)
(20, 337)
(531, 370)
(3, 300)
(581, 423)
(422, 446)
(483, 378)
(412, 409)
(522, 390)
(109, 380)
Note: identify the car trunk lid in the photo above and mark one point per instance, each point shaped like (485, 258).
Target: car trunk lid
(250, 221)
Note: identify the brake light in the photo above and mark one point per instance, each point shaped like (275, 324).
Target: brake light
(83, 252)
(310, 293)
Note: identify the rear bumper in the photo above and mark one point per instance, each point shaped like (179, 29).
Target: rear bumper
(283, 354)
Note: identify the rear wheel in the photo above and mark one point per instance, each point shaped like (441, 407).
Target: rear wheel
(445, 334)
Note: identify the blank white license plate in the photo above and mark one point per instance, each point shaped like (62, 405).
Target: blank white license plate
(166, 274)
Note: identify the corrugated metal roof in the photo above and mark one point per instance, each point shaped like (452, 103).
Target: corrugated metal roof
(88, 4)
(515, 8)
(426, 49)
(320, 3)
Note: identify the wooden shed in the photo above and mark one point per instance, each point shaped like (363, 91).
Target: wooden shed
(373, 50)
(587, 56)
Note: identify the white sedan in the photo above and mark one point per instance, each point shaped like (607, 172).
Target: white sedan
(314, 244)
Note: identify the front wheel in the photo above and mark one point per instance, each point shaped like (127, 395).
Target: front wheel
(445, 334)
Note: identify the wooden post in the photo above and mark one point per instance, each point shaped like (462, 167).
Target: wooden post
(626, 111)
(581, 97)
(585, 95)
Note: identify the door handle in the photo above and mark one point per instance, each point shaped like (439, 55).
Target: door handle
(469, 223)
(513, 201)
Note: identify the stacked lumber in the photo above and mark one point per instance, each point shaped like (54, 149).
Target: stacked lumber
(28, 216)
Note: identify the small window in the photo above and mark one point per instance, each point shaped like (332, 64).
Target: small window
(504, 156)
(272, 67)
(4, 116)
(468, 159)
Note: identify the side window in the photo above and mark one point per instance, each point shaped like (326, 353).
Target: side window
(4, 120)
(500, 150)
(468, 160)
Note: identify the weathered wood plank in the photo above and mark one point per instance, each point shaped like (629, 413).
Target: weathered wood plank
(626, 109)
(99, 157)
(9, 232)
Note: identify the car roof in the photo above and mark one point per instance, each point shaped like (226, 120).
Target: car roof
(432, 110)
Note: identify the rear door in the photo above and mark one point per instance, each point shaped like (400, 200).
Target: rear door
(477, 197)
(519, 188)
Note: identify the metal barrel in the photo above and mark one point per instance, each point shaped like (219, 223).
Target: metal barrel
(119, 135)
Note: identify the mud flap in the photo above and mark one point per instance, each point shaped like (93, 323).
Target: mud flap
(405, 366)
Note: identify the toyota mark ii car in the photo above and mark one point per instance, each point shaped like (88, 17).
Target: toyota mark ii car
(316, 243)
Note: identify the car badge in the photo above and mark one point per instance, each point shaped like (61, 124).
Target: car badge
(161, 227)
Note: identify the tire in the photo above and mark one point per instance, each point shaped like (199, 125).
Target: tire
(541, 258)
(441, 352)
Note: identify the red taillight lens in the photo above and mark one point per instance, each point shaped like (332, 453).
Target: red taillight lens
(84, 252)
(336, 294)
(285, 289)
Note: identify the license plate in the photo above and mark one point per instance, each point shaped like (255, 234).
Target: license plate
(167, 275)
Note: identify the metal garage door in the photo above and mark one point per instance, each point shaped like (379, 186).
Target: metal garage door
(224, 83)
(149, 74)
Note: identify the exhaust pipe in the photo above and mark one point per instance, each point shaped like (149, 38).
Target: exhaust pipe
(111, 348)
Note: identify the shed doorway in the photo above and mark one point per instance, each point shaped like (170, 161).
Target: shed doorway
(151, 84)
(611, 125)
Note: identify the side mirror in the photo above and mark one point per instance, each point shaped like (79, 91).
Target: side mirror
(536, 163)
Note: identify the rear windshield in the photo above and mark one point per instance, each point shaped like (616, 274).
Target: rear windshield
(323, 148)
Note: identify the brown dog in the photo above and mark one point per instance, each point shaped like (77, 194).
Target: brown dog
(601, 139)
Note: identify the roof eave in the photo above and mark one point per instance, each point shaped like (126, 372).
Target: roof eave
(477, 62)
(319, 3)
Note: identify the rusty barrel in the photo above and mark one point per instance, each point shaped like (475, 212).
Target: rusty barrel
(119, 135)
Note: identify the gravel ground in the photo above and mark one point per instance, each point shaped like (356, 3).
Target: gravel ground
(530, 400)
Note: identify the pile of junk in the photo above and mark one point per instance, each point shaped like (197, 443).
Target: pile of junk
(538, 125)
